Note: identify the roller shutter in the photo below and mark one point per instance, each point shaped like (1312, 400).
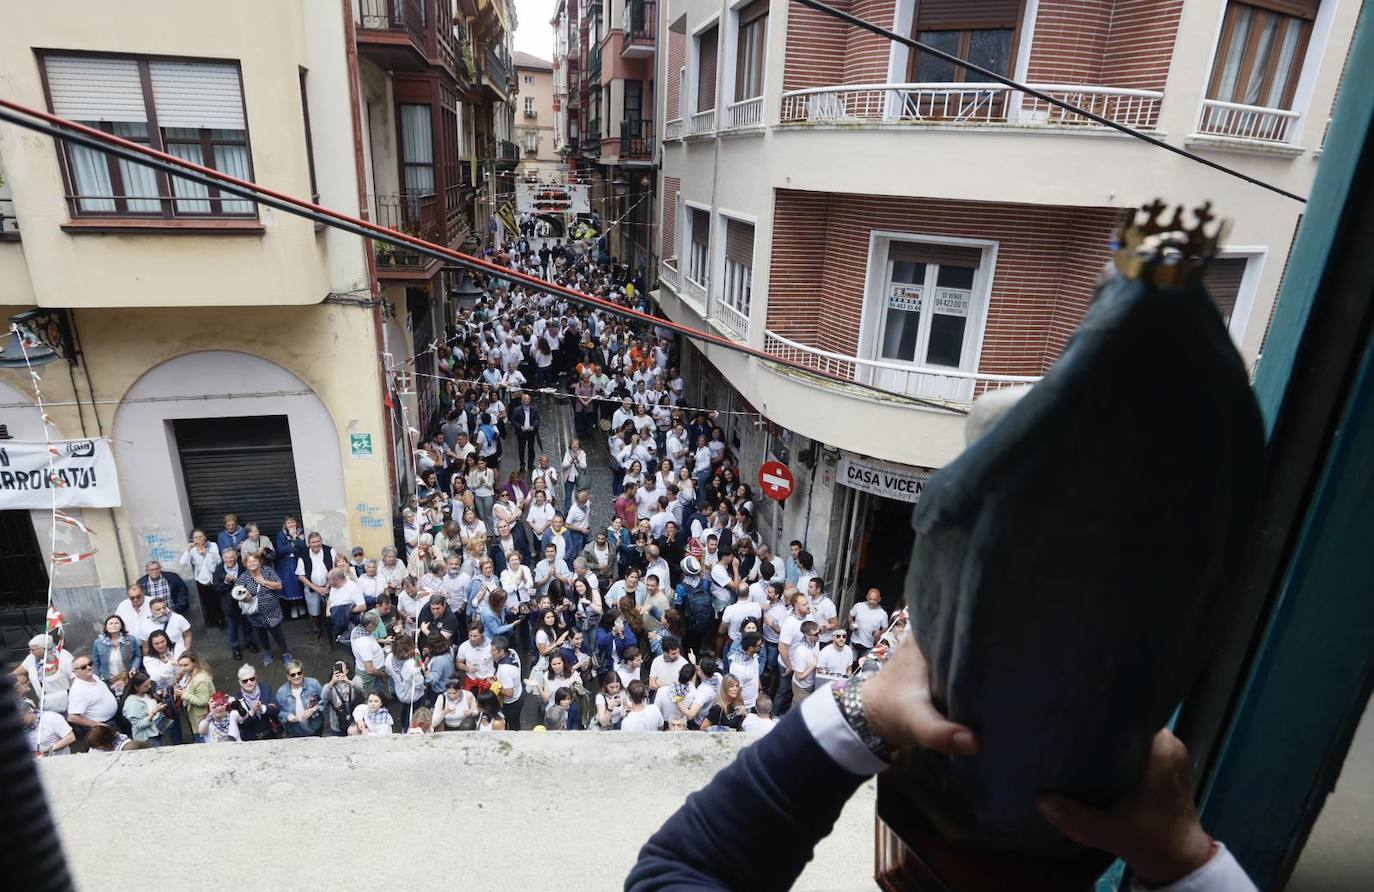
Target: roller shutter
(1222, 277)
(240, 465)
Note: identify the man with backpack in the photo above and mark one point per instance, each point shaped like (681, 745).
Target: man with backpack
(694, 599)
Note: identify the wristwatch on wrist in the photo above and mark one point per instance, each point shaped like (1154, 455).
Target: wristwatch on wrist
(849, 697)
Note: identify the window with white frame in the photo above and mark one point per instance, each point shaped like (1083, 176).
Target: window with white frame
(193, 110)
(529, 107)
(699, 249)
(749, 50)
(1260, 52)
(930, 301)
(738, 274)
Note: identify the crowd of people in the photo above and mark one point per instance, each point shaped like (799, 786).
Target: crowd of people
(514, 600)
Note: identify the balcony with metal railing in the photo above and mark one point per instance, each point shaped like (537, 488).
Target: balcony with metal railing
(951, 386)
(1234, 121)
(639, 29)
(744, 113)
(507, 154)
(968, 104)
(637, 140)
(393, 33)
(414, 214)
(702, 123)
(593, 74)
(496, 70)
(591, 138)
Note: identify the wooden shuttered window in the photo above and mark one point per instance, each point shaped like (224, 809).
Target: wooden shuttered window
(739, 242)
(707, 50)
(1222, 278)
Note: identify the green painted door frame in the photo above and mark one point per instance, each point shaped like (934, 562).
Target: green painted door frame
(1271, 724)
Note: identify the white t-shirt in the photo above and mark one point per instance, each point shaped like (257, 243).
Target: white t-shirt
(702, 697)
(367, 649)
(347, 595)
(478, 659)
(509, 676)
(747, 671)
(378, 722)
(91, 699)
(790, 635)
(832, 663)
(734, 615)
(50, 728)
(869, 622)
(778, 614)
(647, 719)
(757, 724)
(803, 658)
(133, 619)
(665, 670)
(822, 612)
(176, 629)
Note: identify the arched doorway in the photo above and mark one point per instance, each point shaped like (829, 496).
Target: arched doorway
(219, 431)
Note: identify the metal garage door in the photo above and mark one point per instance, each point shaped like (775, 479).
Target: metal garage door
(23, 569)
(240, 465)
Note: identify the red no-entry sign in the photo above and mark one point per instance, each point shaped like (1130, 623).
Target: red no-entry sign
(775, 480)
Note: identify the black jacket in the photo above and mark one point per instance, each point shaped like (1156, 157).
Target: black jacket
(176, 591)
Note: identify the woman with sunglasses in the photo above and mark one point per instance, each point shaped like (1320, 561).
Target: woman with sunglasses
(256, 707)
(301, 700)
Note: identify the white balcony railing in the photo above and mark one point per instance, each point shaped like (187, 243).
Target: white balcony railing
(975, 103)
(735, 322)
(745, 113)
(694, 291)
(667, 272)
(701, 122)
(945, 385)
(1246, 121)
(675, 129)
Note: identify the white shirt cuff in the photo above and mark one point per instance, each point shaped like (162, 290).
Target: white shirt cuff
(1222, 873)
(822, 716)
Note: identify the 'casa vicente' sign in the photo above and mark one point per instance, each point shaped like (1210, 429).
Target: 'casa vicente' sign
(881, 479)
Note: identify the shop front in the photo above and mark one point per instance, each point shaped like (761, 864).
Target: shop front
(872, 536)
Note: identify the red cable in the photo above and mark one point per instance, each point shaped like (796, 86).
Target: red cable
(492, 268)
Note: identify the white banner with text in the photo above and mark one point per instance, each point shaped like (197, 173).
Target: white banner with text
(882, 479)
(82, 474)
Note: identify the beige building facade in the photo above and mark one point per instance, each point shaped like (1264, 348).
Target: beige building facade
(237, 356)
(534, 117)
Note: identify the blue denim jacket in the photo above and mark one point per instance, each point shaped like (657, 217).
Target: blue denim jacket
(314, 696)
(128, 647)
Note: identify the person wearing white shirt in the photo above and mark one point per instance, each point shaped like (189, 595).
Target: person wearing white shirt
(804, 663)
(392, 570)
(540, 513)
(202, 558)
(368, 655)
(516, 579)
(90, 701)
(547, 473)
(659, 521)
(345, 600)
(761, 720)
(47, 732)
(723, 581)
(731, 617)
(134, 610)
(454, 584)
(646, 499)
(625, 413)
(868, 620)
(370, 584)
(749, 667)
(666, 667)
(474, 655)
(161, 616)
(573, 466)
(508, 673)
(643, 715)
(835, 659)
(551, 570)
(677, 447)
(822, 609)
(579, 518)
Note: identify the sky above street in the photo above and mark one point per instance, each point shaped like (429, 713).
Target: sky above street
(534, 35)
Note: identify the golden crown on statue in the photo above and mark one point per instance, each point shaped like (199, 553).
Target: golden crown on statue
(1166, 251)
